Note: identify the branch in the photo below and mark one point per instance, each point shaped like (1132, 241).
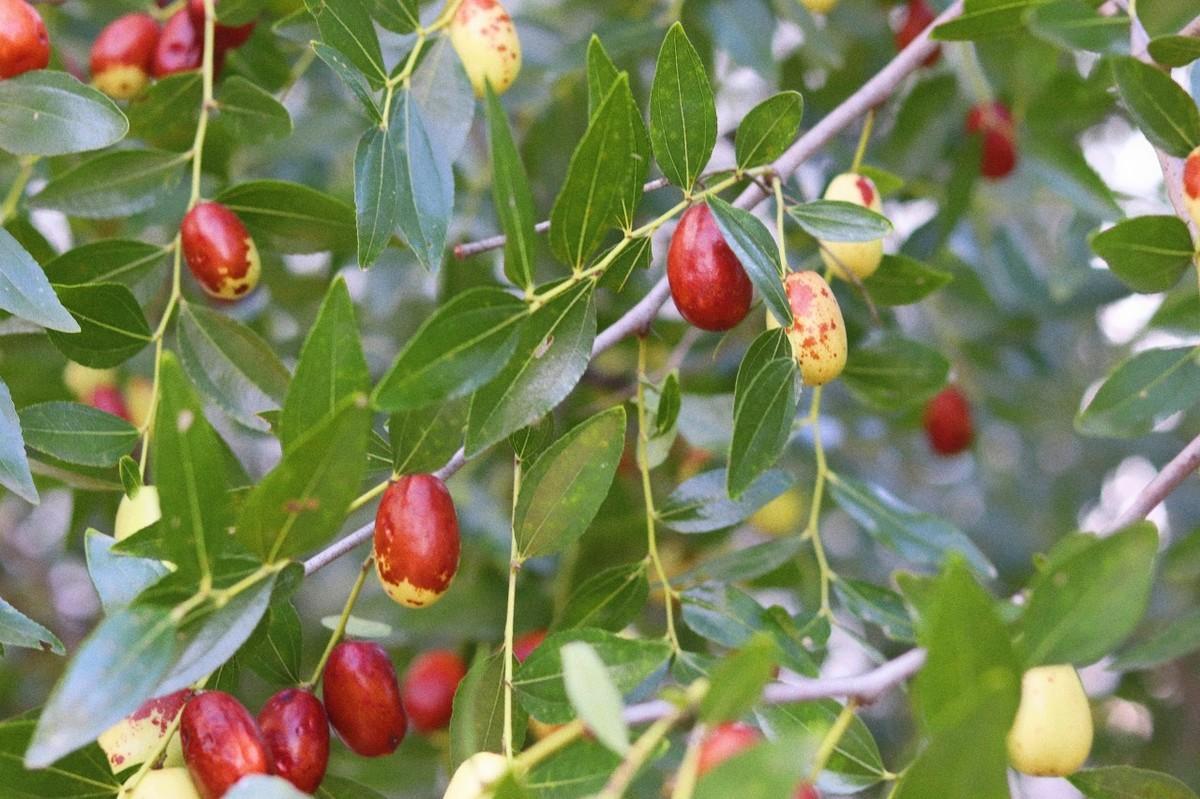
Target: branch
(1172, 475)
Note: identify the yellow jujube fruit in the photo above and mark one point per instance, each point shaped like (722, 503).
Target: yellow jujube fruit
(860, 257)
(780, 516)
(137, 512)
(139, 399)
(818, 332)
(165, 783)
(135, 739)
(82, 381)
(1191, 185)
(486, 41)
(1052, 733)
(476, 776)
(819, 6)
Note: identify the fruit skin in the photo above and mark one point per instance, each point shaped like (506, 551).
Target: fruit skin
(820, 6)
(995, 123)
(110, 400)
(225, 37)
(782, 515)
(180, 47)
(860, 257)
(807, 792)
(476, 775)
(723, 742)
(916, 18)
(363, 698)
(524, 645)
(416, 540)
(219, 251)
(428, 689)
(24, 44)
(123, 55)
(1051, 735)
(483, 35)
(139, 398)
(137, 512)
(1191, 185)
(818, 332)
(82, 380)
(165, 783)
(296, 731)
(948, 422)
(221, 743)
(708, 283)
(135, 738)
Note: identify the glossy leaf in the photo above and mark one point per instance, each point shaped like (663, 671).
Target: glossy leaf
(512, 196)
(762, 424)
(1158, 105)
(441, 87)
(424, 182)
(891, 373)
(351, 77)
(835, 220)
(424, 439)
(290, 217)
(1141, 391)
(376, 194)
(85, 772)
(602, 75)
(118, 578)
(755, 248)
(769, 129)
(48, 113)
(608, 600)
(1174, 51)
(77, 433)
(901, 280)
(1148, 253)
(251, 113)
(17, 629)
(107, 261)
(683, 114)
(273, 653)
(346, 25)
(25, 291)
(112, 327)
(113, 185)
(14, 466)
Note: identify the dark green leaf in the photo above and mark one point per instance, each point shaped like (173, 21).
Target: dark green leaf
(901, 280)
(251, 113)
(346, 25)
(441, 87)
(424, 439)
(1120, 782)
(835, 220)
(738, 681)
(683, 114)
(113, 185)
(376, 193)
(769, 129)
(165, 115)
(112, 328)
(608, 600)
(758, 253)
(424, 181)
(118, 578)
(84, 773)
(855, 764)
(985, 19)
(25, 291)
(702, 504)
(398, 16)
(14, 466)
(290, 217)
(512, 196)
(762, 422)
(891, 373)
(77, 433)
(17, 629)
(1141, 391)
(1158, 105)
(107, 261)
(477, 724)
(1148, 253)
(51, 113)
(876, 605)
(273, 653)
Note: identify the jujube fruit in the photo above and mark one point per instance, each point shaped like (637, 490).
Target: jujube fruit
(24, 44)
(416, 540)
(225, 37)
(708, 283)
(993, 121)
(110, 400)
(165, 783)
(180, 46)
(916, 17)
(819, 6)
(524, 644)
(123, 56)
(295, 730)
(1191, 185)
(1051, 735)
(782, 515)
(476, 775)
(486, 41)
(723, 742)
(82, 380)
(947, 422)
(219, 251)
(221, 743)
(137, 512)
(807, 792)
(818, 332)
(362, 698)
(135, 739)
(139, 398)
(859, 257)
(429, 686)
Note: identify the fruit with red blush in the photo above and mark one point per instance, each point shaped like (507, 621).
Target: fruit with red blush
(295, 730)
(428, 689)
(416, 540)
(916, 17)
(362, 698)
(994, 122)
(708, 283)
(219, 251)
(221, 743)
(947, 422)
(24, 43)
(818, 332)
(123, 56)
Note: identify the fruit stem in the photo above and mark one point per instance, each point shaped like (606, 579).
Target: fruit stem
(556, 741)
(864, 139)
(777, 188)
(812, 530)
(643, 459)
(642, 749)
(514, 567)
(830, 742)
(367, 496)
(343, 620)
(17, 190)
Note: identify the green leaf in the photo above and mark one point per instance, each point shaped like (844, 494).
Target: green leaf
(985, 19)
(251, 113)
(608, 600)
(683, 114)
(398, 16)
(118, 578)
(1148, 253)
(892, 374)
(107, 261)
(17, 629)
(1174, 51)
(876, 605)
(14, 466)
(424, 439)
(1173, 640)
(737, 682)
(590, 201)
(303, 501)
(901, 280)
(746, 563)
(553, 350)
(762, 423)
(702, 504)
(602, 75)
(290, 217)
(113, 185)
(337, 61)
(1158, 105)
(594, 696)
(855, 763)
(331, 367)
(273, 652)
(84, 773)
(462, 346)
(1075, 25)
(115, 669)
(346, 25)
(165, 115)
(230, 364)
(628, 662)
(25, 291)
(1120, 782)
(512, 196)
(767, 771)
(1141, 391)
(578, 770)
(112, 327)
(919, 537)
(769, 129)
(424, 180)
(757, 252)
(441, 87)
(1086, 604)
(477, 724)
(334, 787)
(77, 433)
(376, 193)
(563, 490)
(48, 113)
(835, 220)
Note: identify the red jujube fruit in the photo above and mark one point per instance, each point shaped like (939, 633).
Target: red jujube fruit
(723, 742)
(219, 251)
(221, 743)
(123, 55)
(429, 686)
(915, 19)
(709, 285)
(362, 698)
(994, 122)
(948, 422)
(180, 47)
(524, 645)
(110, 400)
(416, 540)
(296, 731)
(24, 44)
(225, 37)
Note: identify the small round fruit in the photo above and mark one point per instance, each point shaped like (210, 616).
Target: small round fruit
(818, 332)
(486, 41)
(219, 251)
(524, 645)
(917, 16)
(165, 783)
(135, 739)
(428, 689)
(363, 698)
(1052, 733)
(820, 6)
(225, 37)
(416, 540)
(806, 791)
(1191, 185)
(708, 283)
(723, 742)
(995, 123)
(24, 45)
(948, 422)
(296, 731)
(782, 515)
(82, 380)
(475, 777)
(123, 55)
(137, 512)
(860, 257)
(180, 47)
(110, 400)
(221, 743)
(139, 398)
